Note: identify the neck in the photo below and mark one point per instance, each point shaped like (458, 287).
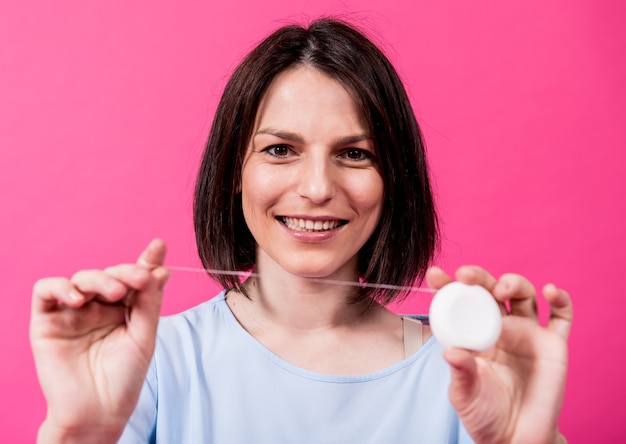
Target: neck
(302, 303)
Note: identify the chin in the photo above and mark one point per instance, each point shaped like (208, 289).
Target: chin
(321, 269)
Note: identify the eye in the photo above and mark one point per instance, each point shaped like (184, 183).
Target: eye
(356, 154)
(278, 150)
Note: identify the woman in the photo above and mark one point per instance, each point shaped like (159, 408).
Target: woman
(314, 174)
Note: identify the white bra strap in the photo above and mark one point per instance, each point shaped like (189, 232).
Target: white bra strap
(413, 335)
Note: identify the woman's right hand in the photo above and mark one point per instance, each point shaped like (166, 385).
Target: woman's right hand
(91, 364)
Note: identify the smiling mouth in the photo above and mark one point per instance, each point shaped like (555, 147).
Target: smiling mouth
(297, 224)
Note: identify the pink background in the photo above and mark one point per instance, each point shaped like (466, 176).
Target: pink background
(104, 108)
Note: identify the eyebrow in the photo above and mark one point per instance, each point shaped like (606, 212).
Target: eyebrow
(294, 137)
(286, 135)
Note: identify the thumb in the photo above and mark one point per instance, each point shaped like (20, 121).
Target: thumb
(146, 306)
(152, 259)
(464, 383)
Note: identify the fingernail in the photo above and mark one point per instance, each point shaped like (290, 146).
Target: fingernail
(74, 296)
(550, 287)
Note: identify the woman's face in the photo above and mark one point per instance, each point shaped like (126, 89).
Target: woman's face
(311, 187)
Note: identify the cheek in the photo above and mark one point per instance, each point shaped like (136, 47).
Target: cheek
(259, 189)
(367, 193)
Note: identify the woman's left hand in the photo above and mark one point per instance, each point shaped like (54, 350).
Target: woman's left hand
(514, 391)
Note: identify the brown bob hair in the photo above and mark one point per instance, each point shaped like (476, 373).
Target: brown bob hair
(405, 240)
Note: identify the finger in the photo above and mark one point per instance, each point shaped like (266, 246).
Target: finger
(475, 275)
(437, 278)
(519, 293)
(48, 293)
(131, 275)
(561, 310)
(464, 377)
(154, 254)
(97, 284)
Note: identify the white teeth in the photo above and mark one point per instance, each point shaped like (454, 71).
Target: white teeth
(310, 225)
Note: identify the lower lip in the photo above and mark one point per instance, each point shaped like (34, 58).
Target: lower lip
(312, 236)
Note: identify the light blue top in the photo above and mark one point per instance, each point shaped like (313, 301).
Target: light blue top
(212, 382)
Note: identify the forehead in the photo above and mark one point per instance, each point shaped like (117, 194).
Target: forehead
(304, 97)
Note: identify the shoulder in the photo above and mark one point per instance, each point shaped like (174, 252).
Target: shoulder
(187, 332)
(195, 317)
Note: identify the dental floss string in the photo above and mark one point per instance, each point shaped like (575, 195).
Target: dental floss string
(316, 280)
(467, 316)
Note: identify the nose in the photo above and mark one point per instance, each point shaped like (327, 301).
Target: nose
(316, 180)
